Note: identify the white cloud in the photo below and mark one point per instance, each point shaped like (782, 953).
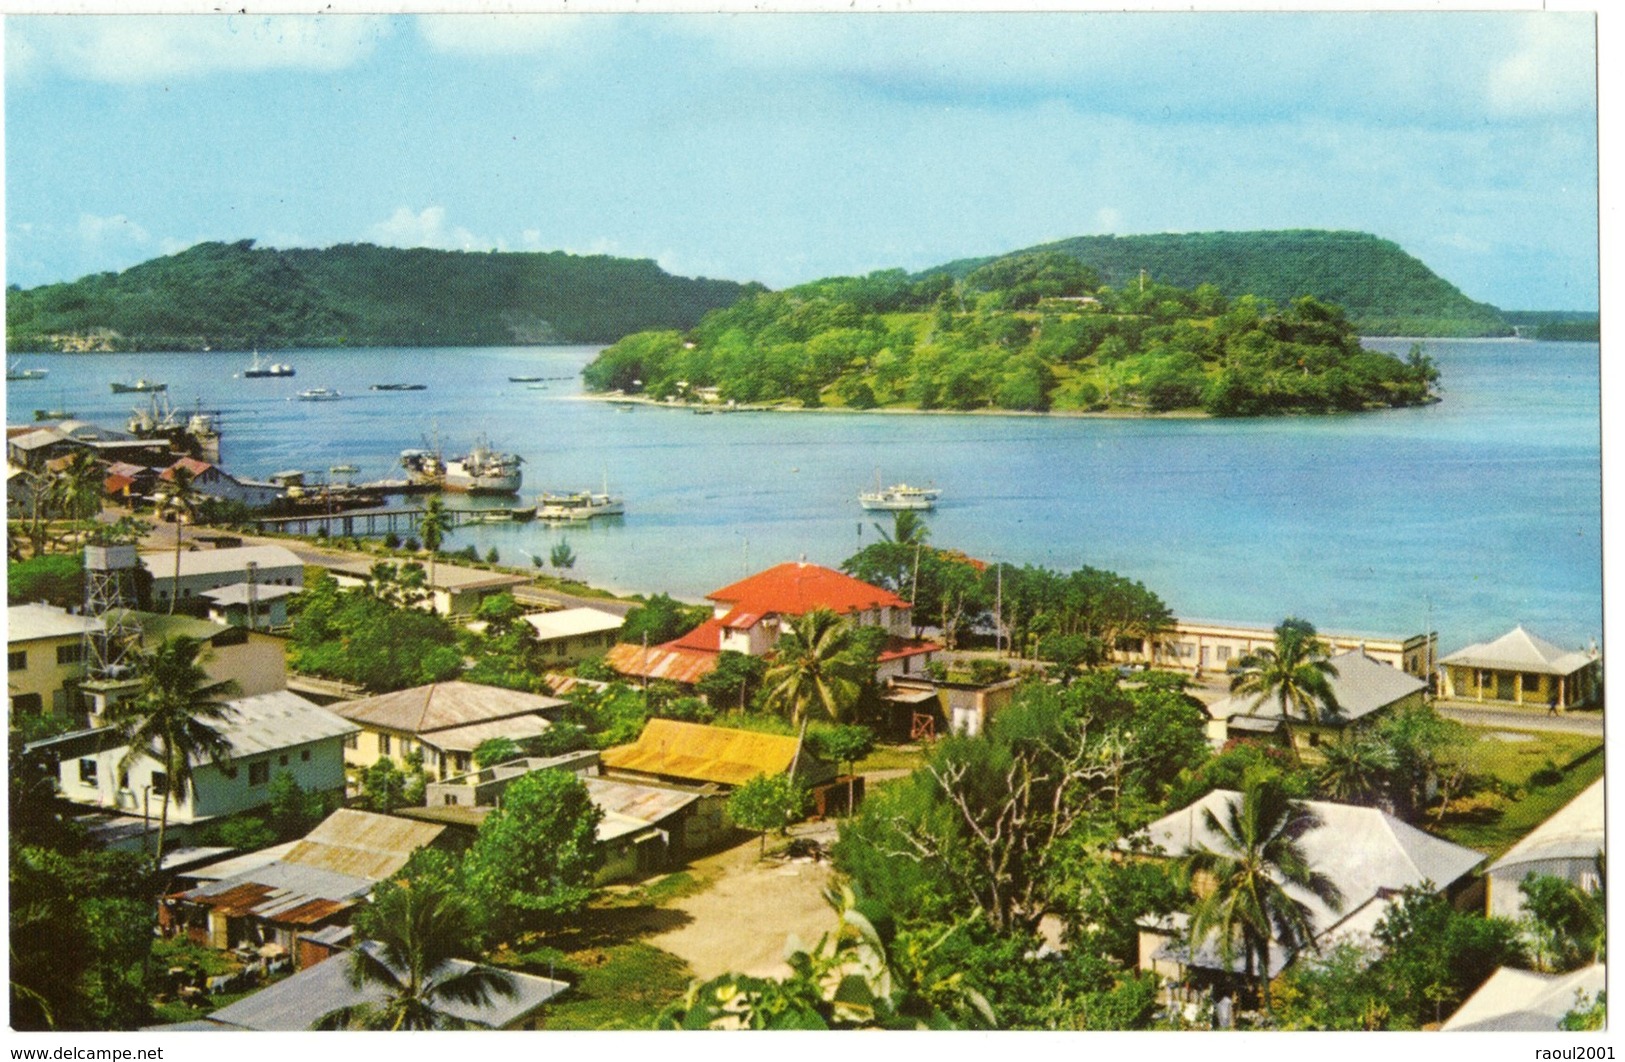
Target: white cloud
(427, 228)
(1553, 70)
(115, 231)
(498, 34)
(1108, 220)
(132, 49)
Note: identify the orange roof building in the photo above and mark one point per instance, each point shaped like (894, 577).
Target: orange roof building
(750, 616)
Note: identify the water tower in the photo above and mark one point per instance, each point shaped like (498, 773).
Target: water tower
(110, 652)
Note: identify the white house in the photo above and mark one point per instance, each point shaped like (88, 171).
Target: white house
(250, 605)
(213, 569)
(574, 634)
(1566, 846)
(268, 734)
(215, 482)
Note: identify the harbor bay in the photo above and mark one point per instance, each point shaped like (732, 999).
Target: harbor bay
(1470, 515)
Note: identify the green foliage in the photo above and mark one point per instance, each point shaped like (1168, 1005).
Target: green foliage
(235, 296)
(1387, 291)
(1236, 767)
(1338, 989)
(361, 637)
(246, 833)
(768, 802)
(661, 619)
(613, 716)
(735, 678)
(1588, 1015)
(561, 556)
(80, 932)
(384, 786)
(54, 578)
(1014, 336)
(292, 812)
(1294, 673)
(1570, 923)
(533, 861)
(847, 743)
(1436, 956)
(492, 751)
(556, 740)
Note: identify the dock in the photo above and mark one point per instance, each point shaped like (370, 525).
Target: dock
(357, 522)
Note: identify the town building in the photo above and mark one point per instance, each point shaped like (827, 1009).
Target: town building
(250, 605)
(444, 721)
(45, 658)
(571, 635)
(1568, 845)
(202, 570)
(1364, 688)
(751, 615)
(694, 754)
(454, 590)
(212, 481)
(1369, 855)
(1212, 645)
(276, 896)
(300, 1002)
(1515, 1000)
(1521, 668)
(267, 735)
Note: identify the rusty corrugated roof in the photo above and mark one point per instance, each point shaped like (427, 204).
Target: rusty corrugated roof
(362, 844)
(661, 662)
(703, 753)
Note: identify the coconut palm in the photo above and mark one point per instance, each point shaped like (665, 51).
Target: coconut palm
(1354, 772)
(1244, 881)
(908, 528)
(815, 670)
(416, 928)
(1295, 672)
(180, 498)
(433, 530)
(77, 486)
(175, 718)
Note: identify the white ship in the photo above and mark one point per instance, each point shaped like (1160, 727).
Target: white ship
(481, 471)
(579, 505)
(900, 496)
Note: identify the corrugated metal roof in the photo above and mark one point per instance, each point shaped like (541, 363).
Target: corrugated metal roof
(703, 753)
(237, 593)
(240, 864)
(1518, 650)
(278, 720)
(362, 844)
(1575, 831)
(468, 738)
(572, 621)
(216, 561)
(1365, 852)
(25, 623)
(674, 665)
(1362, 685)
(303, 999)
(1522, 1001)
(443, 705)
(648, 804)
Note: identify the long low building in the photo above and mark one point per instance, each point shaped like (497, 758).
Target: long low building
(1522, 668)
(1215, 645)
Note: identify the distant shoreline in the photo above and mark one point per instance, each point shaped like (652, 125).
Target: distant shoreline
(640, 400)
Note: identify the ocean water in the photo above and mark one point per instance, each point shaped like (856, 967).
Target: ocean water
(1470, 515)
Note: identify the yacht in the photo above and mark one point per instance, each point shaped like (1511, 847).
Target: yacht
(318, 394)
(900, 496)
(579, 505)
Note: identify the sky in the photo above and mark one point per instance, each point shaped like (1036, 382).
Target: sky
(782, 148)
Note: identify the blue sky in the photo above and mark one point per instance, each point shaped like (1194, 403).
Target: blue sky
(782, 148)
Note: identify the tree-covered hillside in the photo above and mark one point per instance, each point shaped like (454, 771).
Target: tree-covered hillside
(237, 296)
(1384, 290)
(1032, 332)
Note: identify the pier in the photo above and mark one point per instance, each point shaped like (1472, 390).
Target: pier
(356, 522)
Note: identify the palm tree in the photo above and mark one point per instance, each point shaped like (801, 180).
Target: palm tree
(908, 529)
(415, 928)
(1295, 672)
(174, 718)
(180, 499)
(1244, 881)
(815, 669)
(77, 487)
(433, 531)
(1354, 772)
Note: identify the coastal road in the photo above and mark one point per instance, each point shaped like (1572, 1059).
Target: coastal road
(1588, 723)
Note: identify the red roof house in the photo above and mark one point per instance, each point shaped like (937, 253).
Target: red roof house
(749, 616)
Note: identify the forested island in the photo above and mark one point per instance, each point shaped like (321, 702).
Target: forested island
(1034, 332)
(1383, 290)
(237, 296)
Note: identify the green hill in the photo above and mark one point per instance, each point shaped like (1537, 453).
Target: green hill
(1034, 332)
(232, 295)
(1384, 290)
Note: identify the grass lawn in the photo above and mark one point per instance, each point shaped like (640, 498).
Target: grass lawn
(623, 986)
(892, 758)
(1492, 824)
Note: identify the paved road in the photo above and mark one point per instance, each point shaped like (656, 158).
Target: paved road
(1589, 723)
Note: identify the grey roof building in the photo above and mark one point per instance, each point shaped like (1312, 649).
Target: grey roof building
(1566, 845)
(1367, 853)
(1525, 1001)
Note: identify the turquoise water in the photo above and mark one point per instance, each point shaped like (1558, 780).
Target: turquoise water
(1477, 513)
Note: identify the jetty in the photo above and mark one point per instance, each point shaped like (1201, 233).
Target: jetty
(376, 521)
